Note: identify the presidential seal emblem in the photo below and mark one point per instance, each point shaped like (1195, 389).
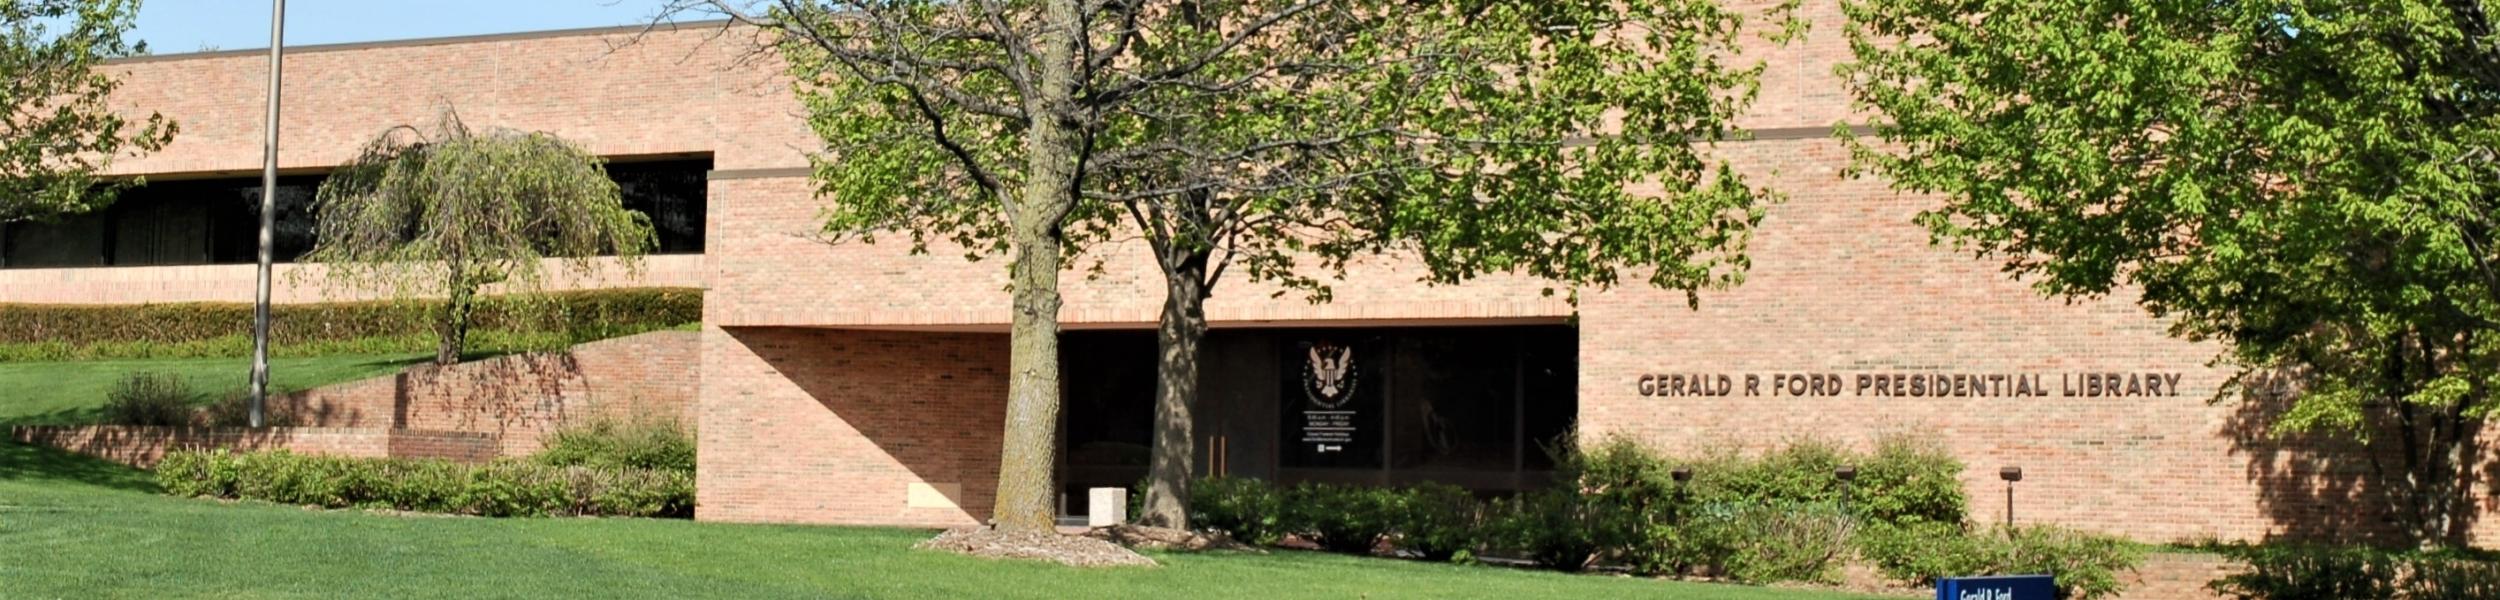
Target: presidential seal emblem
(1329, 376)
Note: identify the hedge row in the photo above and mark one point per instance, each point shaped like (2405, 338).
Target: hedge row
(2302, 572)
(217, 329)
(505, 488)
(1782, 516)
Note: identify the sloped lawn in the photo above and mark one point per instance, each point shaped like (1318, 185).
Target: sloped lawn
(72, 392)
(74, 527)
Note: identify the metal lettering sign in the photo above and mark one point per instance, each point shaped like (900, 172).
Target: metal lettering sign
(1911, 385)
(1998, 587)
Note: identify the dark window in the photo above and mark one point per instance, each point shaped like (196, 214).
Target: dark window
(217, 221)
(234, 215)
(672, 193)
(76, 241)
(1456, 405)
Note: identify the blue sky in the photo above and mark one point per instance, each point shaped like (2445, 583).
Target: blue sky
(176, 26)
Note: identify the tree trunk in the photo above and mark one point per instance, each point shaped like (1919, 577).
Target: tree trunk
(1183, 324)
(2452, 524)
(1027, 460)
(455, 326)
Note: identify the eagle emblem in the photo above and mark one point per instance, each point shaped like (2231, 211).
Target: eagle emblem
(1329, 376)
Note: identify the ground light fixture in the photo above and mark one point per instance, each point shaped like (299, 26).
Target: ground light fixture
(1846, 474)
(2010, 474)
(1675, 510)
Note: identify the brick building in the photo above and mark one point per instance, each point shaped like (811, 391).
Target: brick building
(860, 384)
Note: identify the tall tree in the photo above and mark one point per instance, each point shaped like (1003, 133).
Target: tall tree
(446, 212)
(1483, 137)
(1276, 134)
(2310, 182)
(60, 133)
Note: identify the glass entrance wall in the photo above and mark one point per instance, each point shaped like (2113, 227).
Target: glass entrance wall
(1476, 407)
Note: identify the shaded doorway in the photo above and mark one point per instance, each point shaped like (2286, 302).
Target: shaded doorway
(1476, 407)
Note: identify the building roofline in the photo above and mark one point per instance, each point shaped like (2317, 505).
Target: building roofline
(431, 41)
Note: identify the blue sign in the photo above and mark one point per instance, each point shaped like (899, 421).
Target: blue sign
(2000, 587)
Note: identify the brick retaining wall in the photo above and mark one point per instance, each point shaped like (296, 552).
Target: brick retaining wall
(470, 411)
(522, 397)
(143, 446)
(2177, 576)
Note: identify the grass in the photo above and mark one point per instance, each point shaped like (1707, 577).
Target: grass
(70, 392)
(76, 527)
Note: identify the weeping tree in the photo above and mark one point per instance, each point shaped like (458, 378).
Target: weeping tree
(61, 133)
(443, 213)
(2311, 183)
(1281, 137)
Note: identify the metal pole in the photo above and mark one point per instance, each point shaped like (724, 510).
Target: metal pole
(268, 218)
(2009, 508)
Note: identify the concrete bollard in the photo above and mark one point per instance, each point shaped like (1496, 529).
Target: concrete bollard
(1106, 506)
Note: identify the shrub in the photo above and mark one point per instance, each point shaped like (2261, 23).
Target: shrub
(2086, 565)
(2303, 572)
(1636, 489)
(647, 443)
(1907, 481)
(1341, 518)
(1922, 552)
(235, 410)
(1560, 528)
(1440, 522)
(1798, 474)
(1249, 510)
(146, 398)
(496, 489)
(31, 332)
(2446, 578)
(1773, 542)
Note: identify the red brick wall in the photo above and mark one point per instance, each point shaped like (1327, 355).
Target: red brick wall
(520, 398)
(691, 90)
(143, 446)
(765, 269)
(834, 426)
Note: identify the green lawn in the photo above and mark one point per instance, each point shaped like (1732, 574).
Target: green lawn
(55, 393)
(73, 527)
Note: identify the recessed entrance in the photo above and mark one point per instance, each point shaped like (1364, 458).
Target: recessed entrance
(1475, 407)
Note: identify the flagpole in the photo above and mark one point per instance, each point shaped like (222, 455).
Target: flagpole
(268, 219)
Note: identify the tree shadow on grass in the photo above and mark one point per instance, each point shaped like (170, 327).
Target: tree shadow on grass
(30, 463)
(403, 363)
(83, 415)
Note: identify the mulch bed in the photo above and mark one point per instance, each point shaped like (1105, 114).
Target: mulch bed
(1070, 550)
(1165, 538)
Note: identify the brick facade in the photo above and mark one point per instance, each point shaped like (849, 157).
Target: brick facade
(854, 383)
(830, 426)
